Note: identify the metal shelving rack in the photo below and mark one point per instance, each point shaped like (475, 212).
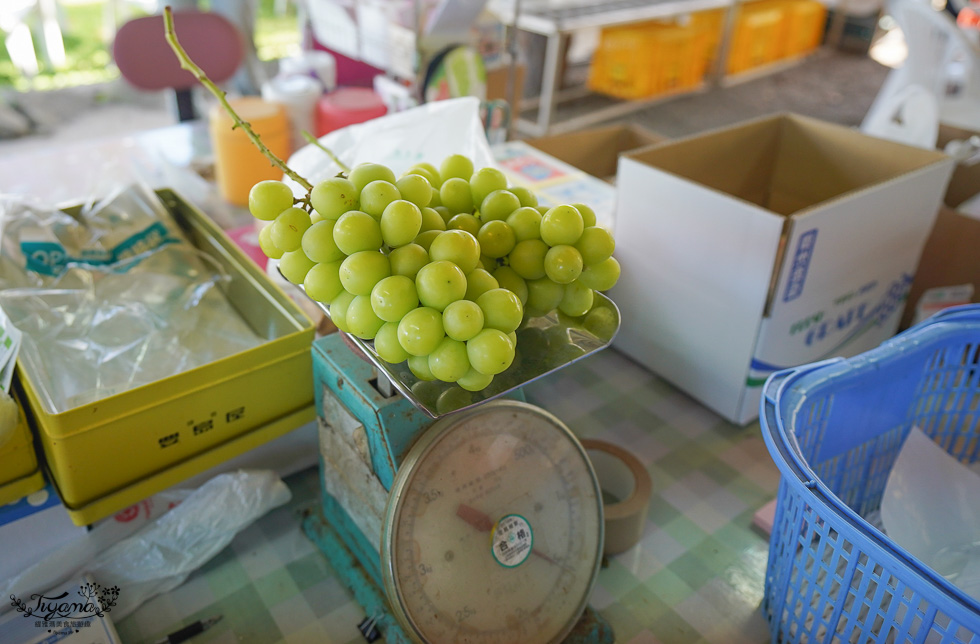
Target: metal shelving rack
(557, 20)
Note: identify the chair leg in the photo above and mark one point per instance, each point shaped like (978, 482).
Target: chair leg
(185, 105)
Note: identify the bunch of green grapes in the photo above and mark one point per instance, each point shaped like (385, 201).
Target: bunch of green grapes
(440, 267)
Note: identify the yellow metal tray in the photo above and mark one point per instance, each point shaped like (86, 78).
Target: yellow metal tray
(130, 443)
(20, 473)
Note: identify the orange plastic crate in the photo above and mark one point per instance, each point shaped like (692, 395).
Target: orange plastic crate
(622, 65)
(645, 59)
(708, 27)
(756, 38)
(803, 27)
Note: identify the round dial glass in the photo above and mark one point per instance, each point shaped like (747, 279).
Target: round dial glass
(494, 529)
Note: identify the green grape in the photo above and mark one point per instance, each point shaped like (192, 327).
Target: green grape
(386, 344)
(268, 198)
(524, 195)
(489, 264)
(315, 217)
(436, 200)
(288, 228)
(448, 362)
(419, 366)
(526, 222)
(455, 195)
(425, 239)
(490, 351)
(294, 265)
(431, 220)
(542, 209)
(452, 399)
(502, 309)
(543, 296)
(415, 188)
(508, 278)
(588, 215)
(464, 221)
(462, 320)
(322, 282)
(577, 300)
(456, 246)
(431, 176)
(421, 331)
(439, 283)
(407, 260)
(527, 258)
(357, 231)
(561, 225)
(600, 322)
(478, 282)
(596, 245)
(318, 242)
(496, 238)
(393, 297)
(376, 196)
(361, 319)
(444, 212)
(269, 248)
(498, 205)
(361, 271)
(365, 173)
(563, 264)
(602, 276)
(474, 380)
(333, 197)
(401, 222)
(338, 310)
(456, 165)
(484, 181)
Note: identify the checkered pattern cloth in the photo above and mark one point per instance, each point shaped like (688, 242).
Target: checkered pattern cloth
(697, 574)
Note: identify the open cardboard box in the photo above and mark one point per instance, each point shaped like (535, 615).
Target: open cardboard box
(773, 243)
(578, 167)
(951, 257)
(596, 150)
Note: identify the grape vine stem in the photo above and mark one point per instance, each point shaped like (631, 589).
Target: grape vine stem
(192, 67)
(312, 139)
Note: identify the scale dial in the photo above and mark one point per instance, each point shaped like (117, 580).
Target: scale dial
(493, 530)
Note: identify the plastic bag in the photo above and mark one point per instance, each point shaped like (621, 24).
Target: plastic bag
(929, 507)
(429, 132)
(161, 554)
(111, 298)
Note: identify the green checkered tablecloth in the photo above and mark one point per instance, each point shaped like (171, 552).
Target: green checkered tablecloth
(696, 575)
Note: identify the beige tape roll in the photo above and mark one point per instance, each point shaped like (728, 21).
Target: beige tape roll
(623, 477)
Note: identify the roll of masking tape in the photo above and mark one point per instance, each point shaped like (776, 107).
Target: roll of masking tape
(626, 489)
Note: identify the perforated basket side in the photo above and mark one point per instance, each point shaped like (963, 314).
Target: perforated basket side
(834, 429)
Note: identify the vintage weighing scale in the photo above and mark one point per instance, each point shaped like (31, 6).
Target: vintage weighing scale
(458, 516)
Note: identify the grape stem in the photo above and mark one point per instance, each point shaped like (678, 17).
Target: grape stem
(192, 67)
(312, 139)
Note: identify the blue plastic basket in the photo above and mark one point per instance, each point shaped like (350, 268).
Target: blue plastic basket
(834, 429)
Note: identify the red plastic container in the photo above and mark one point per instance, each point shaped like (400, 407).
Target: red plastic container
(346, 106)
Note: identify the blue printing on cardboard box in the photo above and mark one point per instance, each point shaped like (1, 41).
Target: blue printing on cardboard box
(801, 264)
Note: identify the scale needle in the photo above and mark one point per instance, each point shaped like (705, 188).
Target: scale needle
(483, 523)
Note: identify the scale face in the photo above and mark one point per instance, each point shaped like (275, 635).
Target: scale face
(493, 530)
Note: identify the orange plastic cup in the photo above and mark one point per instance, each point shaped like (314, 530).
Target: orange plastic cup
(238, 163)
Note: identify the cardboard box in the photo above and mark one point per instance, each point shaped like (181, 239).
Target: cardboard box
(776, 242)
(950, 258)
(596, 151)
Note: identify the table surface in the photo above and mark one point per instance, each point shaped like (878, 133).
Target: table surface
(697, 574)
